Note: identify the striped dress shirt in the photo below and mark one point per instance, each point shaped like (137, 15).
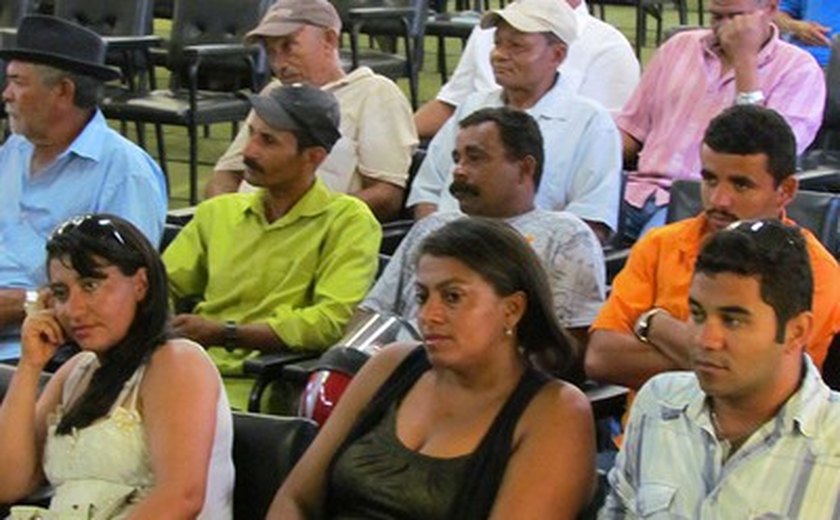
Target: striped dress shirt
(672, 465)
(685, 85)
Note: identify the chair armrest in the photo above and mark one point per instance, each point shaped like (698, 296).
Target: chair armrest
(614, 261)
(268, 368)
(131, 43)
(271, 365)
(195, 52)
(820, 179)
(379, 13)
(607, 400)
(180, 216)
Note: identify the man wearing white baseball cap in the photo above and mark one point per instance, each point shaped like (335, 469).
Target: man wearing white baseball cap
(601, 66)
(582, 145)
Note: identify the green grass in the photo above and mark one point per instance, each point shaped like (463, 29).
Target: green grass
(212, 146)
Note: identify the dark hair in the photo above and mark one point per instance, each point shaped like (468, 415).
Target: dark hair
(87, 244)
(771, 251)
(89, 90)
(500, 255)
(752, 129)
(519, 132)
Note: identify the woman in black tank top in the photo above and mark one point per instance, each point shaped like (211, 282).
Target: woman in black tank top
(472, 424)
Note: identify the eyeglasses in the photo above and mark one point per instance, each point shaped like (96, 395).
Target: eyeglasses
(91, 225)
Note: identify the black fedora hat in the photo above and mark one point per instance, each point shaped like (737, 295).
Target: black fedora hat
(62, 44)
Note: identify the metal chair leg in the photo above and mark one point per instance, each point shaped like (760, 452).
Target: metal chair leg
(193, 131)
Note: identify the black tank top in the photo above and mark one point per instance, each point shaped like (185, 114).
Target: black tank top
(373, 475)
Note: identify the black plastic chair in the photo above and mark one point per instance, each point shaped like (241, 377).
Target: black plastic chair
(831, 366)
(442, 25)
(404, 20)
(108, 18)
(825, 150)
(204, 35)
(163, 9)
(11, 11)
(645, 8)
(265, 449)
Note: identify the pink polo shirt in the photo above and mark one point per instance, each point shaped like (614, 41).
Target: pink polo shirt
(683, 88)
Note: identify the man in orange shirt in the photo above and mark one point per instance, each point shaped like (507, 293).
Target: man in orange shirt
(748, 158)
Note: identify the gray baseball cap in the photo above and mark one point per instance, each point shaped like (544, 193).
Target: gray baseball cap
(301, 108)
(287, 16)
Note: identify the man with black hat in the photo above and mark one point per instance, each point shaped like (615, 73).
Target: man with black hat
(62, 159)
(282, 267)
(371, 160)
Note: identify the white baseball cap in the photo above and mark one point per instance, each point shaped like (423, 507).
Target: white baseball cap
(537, 16)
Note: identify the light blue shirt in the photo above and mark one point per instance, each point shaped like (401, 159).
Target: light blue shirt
(672, 465)
(100, 172)
(582, 172)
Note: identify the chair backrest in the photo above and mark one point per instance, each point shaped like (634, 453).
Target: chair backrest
(831, 366)
(393, 234)
(417, 26)
(265, 449)
(685, 201)
(212, 22)
(11, 11)
(819, 212)
(163, 9)
(109, 17)
(831, 116)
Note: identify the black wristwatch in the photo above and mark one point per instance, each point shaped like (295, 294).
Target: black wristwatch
(230, 335)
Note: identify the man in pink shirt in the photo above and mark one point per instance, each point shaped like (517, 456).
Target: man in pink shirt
(691, 79)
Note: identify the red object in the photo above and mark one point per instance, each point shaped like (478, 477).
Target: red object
(323, 390)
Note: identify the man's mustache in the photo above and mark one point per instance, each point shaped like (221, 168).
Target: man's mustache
(252, 165)
(462, 188)
(721, 214)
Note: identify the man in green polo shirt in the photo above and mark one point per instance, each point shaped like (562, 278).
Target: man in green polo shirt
(283, 267)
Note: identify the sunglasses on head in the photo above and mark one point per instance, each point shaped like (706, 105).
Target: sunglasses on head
(767, 233)
(91, 225)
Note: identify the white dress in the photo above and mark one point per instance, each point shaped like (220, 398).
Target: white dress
(109, 460)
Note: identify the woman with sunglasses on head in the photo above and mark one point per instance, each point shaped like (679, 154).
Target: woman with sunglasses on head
(470, 425)
(137, 424)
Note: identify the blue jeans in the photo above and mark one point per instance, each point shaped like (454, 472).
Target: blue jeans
(638, 221)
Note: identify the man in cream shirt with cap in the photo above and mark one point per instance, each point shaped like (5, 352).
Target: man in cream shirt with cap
(582, 145)
(371, 160)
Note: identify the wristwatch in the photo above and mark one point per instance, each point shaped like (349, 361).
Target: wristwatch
(642, 326)
(230, 335)
(30, 302)
(753, 97)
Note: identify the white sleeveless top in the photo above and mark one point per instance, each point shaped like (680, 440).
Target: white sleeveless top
(112, 454)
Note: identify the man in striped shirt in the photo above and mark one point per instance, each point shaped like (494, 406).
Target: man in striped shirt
(691, 79)
(752, 432)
